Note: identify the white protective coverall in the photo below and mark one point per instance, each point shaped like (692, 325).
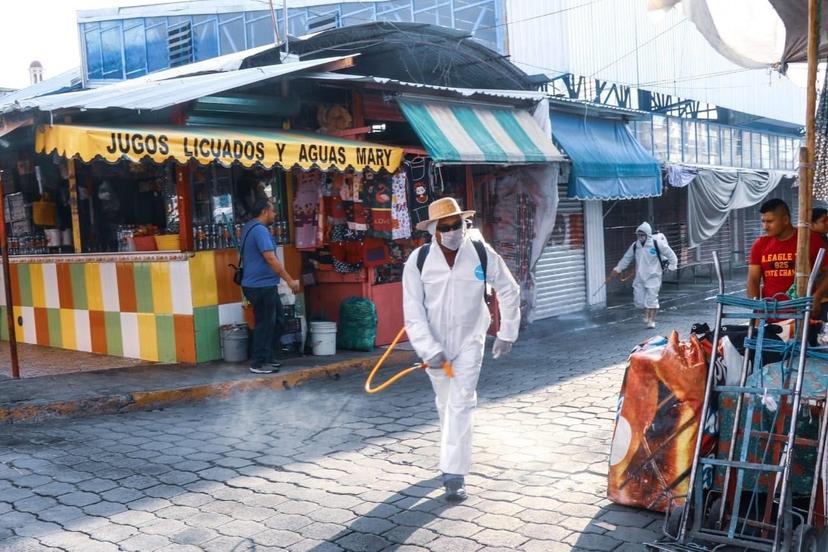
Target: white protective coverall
(445, 312)
(648, 269)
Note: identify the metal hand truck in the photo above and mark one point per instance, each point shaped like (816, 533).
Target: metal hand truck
(738, 516)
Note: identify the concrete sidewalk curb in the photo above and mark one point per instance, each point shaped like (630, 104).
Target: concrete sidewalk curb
(162, 398)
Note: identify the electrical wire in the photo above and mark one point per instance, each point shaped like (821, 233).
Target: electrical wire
(539, 16)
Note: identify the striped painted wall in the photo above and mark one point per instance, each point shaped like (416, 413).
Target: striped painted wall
(167, 311)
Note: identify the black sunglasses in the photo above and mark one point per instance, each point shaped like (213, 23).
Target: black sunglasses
(451, 227)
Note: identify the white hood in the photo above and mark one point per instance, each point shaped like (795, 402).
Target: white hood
(646, 228)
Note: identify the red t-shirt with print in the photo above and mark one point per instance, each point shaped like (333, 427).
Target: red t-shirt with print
(778, 261)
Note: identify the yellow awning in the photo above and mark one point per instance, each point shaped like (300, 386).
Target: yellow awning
(247, 147)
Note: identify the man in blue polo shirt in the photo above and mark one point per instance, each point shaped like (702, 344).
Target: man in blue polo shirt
(262, 272)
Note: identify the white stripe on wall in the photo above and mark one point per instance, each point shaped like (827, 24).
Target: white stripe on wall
(109, 288)
(2, 289)
(29, 331)
(83, 335)
(182, 297)
(50, 286)
(129, 335)
(230, 313)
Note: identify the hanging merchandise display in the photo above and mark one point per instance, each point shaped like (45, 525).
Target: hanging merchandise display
(400, 218)
(353, 205)
(306, 209)
(520, 205)
(377, 192)
(821, 154)
(419, 173)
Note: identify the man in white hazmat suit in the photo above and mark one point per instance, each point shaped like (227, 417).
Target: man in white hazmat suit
(652, 255)
(446, 318)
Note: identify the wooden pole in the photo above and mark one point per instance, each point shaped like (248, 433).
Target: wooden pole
(73, 206)
(185, 207)
(4, 245)
(469, 188)
(806, 155)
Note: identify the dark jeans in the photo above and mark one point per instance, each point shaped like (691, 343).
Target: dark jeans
(267, 310)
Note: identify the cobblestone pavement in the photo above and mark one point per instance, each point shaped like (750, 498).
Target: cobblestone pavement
(326, 467)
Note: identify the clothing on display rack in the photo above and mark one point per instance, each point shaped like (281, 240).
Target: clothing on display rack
(306, 209)
(400, 218)
(378, 199)
(421, 194)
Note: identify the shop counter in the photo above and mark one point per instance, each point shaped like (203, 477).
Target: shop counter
(332, 288)
(156, 306)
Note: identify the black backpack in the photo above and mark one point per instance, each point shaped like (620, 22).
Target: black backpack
(481, 254)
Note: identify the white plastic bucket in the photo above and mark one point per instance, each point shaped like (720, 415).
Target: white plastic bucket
(323, 338)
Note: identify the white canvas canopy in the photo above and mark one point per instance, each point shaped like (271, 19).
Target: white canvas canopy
(755, 33)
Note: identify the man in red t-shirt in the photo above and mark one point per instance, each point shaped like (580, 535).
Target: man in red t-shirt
(773, 256)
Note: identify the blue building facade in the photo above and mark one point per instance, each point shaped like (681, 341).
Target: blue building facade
(129, 47)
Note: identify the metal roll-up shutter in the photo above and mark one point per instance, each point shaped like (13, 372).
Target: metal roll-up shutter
(560, 274)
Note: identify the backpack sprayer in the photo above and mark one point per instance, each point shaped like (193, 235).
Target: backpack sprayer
(402, 373)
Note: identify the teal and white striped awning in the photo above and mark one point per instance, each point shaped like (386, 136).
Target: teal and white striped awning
(471, 133)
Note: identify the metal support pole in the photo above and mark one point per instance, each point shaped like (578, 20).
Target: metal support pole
(287, 36)
(4, 247)
(275, 24)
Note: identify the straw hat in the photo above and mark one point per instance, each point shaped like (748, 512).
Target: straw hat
(443, 208)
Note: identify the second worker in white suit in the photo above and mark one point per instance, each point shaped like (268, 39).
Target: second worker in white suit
(446, 318)
(652, 255)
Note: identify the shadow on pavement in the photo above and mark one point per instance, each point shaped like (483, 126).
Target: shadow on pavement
(419, 509)
(619, 528)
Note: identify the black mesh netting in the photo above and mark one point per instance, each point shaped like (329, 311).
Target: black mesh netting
(357, 324)
(820, 190)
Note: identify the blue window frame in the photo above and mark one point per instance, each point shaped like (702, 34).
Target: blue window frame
(231, 33)
(130, 48)
(158, 54)
(112, 50)
(435, 12)
(259, 27)
(395, 10)
(135, 48)
(205, 37)
(94, 55)
(356, 14)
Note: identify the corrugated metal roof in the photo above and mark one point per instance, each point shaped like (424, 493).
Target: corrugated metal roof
(59, 83)
(595, 109)
(483, 93)
(220, 64)
(154, 94)
(200, 7)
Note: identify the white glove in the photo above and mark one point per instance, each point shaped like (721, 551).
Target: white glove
(501, 348)
(436, 361)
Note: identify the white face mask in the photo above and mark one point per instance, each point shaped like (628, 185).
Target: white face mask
(642, 238)
(452, 240)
